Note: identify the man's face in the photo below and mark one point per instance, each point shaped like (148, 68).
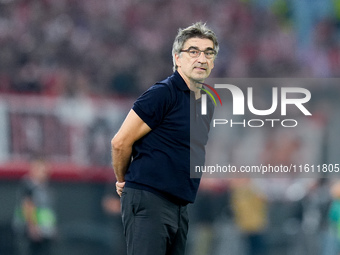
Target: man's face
(195, 69)
(39, 171)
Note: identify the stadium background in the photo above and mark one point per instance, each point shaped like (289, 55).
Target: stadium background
(70, 70)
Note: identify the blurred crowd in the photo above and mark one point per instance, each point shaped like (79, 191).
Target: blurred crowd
(119, 48)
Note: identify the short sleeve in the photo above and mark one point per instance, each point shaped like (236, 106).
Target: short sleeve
(153, 105)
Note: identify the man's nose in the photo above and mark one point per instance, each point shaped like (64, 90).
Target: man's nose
(202, 58)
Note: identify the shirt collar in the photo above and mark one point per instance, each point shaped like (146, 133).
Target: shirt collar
(179, 81)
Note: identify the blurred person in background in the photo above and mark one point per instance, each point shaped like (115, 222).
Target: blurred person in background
(332, 245)
(250, 211)
(35, 218)
(155, 186)
(208, 217)
(315, 207)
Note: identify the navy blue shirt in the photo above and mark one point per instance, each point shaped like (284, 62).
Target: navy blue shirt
(161, 159)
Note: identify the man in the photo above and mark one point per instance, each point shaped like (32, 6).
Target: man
(151, 152)
(35, 219)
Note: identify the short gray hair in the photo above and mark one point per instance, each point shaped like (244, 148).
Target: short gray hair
(196, 30)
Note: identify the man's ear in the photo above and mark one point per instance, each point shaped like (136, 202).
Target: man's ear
(178, 59)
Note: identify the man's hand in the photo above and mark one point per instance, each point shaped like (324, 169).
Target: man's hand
(119, 187)
(34, 232)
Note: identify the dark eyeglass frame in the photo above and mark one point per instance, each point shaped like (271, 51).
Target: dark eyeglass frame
(195, 52)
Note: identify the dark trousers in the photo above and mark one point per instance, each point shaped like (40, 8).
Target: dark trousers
(153, 225)
(42, 247)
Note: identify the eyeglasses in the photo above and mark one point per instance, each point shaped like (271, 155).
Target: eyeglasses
(195, 52)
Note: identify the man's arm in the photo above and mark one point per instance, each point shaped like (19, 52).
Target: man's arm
(29, 211)
(132, 129)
